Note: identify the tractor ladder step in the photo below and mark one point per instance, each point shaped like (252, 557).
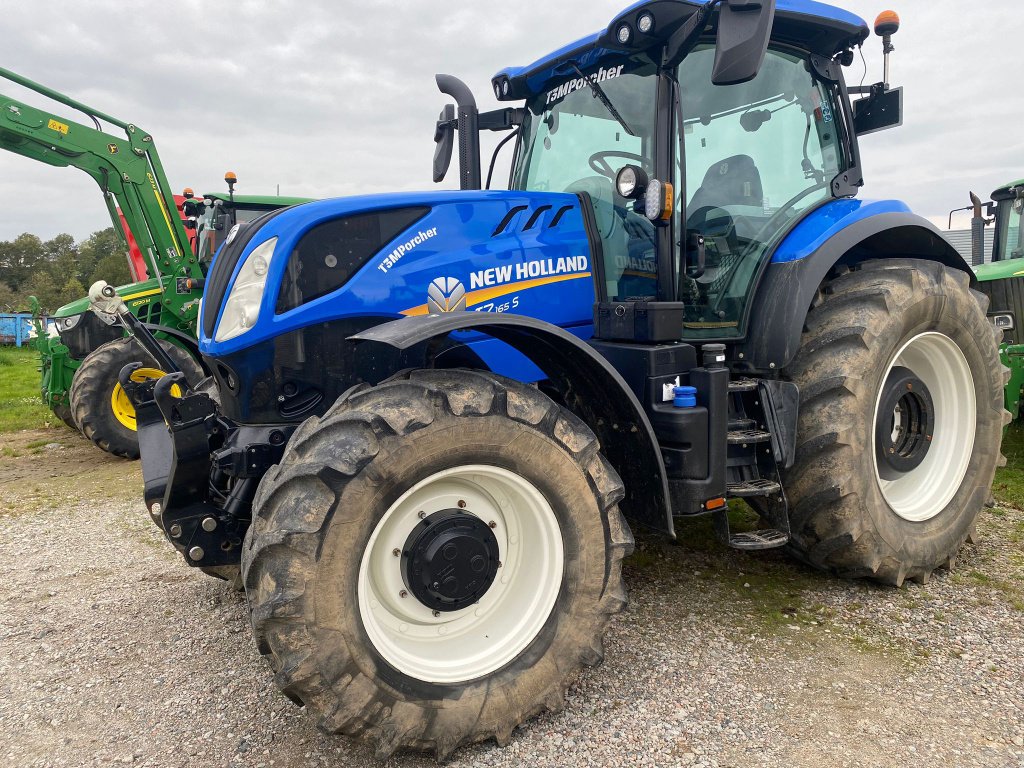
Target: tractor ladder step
(748, 436)
(742, 385)
(768, 538)
(735, 424)
(756, 487)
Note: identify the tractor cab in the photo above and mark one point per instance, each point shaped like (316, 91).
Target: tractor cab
(738, 166)
(1009, 237)
(216, 214)
(725, 142)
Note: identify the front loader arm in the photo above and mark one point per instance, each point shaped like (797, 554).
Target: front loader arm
(127, 169)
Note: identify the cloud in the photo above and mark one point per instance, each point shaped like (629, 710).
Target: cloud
(331, 99)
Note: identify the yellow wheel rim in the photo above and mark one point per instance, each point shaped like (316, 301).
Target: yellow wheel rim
(121, 404)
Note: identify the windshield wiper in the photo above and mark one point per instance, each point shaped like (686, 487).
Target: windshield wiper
(600, 94)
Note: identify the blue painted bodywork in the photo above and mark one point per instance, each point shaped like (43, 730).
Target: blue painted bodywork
(544, 272)
(827, 221)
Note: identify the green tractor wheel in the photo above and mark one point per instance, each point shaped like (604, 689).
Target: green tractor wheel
(900, 421)
(101, 408)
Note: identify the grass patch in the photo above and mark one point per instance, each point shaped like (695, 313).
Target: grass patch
(1008, 487)
(20, 404)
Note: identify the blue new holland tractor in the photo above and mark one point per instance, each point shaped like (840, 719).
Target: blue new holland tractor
(429, 416)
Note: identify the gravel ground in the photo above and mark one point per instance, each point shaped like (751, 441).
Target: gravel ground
(113, 651)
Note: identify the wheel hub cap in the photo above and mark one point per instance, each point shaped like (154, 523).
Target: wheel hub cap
(450, 560)
(903, 429)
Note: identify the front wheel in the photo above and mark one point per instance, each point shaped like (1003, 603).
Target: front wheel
(101, 408)
(434, 559)
(901, 418)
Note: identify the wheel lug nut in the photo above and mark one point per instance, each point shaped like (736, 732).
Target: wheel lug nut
(436, 613)
(462, 504)
(493, 524)
(403, 593)
(421, 515)
(396, 552)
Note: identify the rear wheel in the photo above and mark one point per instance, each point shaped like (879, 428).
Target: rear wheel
(900, 421)
(434, 559)
(101, 408)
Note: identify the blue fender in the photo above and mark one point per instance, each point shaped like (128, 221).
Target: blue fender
(846, 231)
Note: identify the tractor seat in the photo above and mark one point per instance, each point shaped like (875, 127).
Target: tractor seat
(734, 181)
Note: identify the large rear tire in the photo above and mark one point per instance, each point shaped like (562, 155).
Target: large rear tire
(101, 408)
(901, 418)
(345, 528)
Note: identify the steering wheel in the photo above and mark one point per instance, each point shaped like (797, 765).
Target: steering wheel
(599, 161)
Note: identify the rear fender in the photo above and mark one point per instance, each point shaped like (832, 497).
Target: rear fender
(803, 262)
(589, 386)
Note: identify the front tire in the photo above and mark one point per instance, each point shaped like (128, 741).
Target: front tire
(101, 408)
(900, 423)
(371, 646)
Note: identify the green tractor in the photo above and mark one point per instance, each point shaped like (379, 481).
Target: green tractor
(1002, 279)
(169, 241)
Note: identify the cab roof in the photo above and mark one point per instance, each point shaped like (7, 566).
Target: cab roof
(817, 27)
(259, 200)
(1008, 191)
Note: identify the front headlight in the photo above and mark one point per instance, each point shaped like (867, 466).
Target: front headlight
(242, 307)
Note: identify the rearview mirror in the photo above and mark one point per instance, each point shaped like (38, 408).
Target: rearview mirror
(744, 27)
(444, 138)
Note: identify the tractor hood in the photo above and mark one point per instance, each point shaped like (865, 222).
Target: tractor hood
(131, 292)
(389, 256)
(806, 24)
(999, 270)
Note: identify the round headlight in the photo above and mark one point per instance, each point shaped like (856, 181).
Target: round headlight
(631, 182)
(504, 88)
(625, 34)
(645, 23)
(626, 182)
(497, 91)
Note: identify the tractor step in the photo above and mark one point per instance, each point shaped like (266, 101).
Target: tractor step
(767, 538)
(748, 436)
(735, 424)
(742, 385)
(757, 487)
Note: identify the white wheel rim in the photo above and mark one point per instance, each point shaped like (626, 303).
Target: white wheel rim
(924, 491)
(466, 644)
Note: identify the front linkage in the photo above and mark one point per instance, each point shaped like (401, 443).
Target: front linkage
(200, 470)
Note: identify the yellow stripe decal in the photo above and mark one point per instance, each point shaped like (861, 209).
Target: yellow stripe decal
(152, 292)
(163, 210)
(485, 294)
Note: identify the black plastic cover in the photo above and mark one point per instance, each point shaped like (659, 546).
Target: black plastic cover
(331, 252)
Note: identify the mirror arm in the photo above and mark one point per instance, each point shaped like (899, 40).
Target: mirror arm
(682, 41)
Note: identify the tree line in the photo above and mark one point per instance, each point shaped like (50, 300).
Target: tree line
(58, 271)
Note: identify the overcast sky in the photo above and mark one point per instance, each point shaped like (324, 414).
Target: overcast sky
(331, 98)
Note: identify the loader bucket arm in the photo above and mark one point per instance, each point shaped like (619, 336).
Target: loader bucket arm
(127, 169)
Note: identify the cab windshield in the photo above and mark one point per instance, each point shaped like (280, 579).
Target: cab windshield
(573, 143)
